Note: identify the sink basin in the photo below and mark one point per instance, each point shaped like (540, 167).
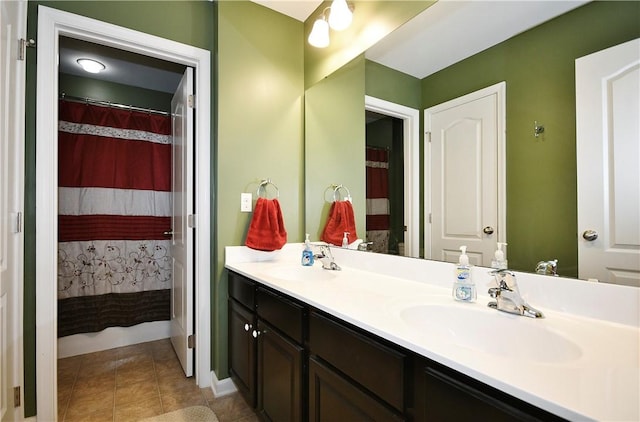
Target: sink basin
(492, 332)
(300, 273)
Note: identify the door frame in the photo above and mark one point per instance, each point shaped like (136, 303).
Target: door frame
(411, 146)
(499, 89)
(52, 24)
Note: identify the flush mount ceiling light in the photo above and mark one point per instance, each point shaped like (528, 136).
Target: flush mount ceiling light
(91, 66)
(340, 17)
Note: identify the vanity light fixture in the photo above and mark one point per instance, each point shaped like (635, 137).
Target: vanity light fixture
(91, 66)
(319, 36)
(340, 17)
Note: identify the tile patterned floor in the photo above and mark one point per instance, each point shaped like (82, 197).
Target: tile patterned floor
(134, 382)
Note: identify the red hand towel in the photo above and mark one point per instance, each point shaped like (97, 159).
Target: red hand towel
(340, 220)
(266, 231)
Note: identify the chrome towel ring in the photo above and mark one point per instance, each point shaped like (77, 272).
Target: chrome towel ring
(336, 193)
(263, 187)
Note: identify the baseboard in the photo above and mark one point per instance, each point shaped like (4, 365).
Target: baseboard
(222, 387)
(109, 338)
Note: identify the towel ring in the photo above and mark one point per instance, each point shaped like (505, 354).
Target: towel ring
(263, 186)
(336, 193)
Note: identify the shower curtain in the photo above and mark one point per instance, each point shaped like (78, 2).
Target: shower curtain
(378, 222)
(114, 267)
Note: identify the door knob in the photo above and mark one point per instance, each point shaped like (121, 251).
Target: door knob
(488, 230)
(590, 235)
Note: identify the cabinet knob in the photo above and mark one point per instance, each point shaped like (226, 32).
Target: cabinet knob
(257, 333)
(247, 327)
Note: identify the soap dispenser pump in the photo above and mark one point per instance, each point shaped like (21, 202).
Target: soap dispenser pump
(307, 253)
(499, 262)
(464, 288)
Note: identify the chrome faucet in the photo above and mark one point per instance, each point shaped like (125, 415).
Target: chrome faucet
(547, 267)
(322, 253)
(508, 297)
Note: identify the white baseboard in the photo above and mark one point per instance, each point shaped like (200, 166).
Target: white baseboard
(222, 387)
(109, 338)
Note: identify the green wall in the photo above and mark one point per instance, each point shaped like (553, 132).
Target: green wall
(260, 132)
(538, 67)
(391, 85)
(334, 145)
(189, 22)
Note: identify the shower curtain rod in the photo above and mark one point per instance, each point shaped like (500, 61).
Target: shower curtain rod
(111, 104)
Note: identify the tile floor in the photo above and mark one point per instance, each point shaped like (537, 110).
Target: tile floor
(134, 382)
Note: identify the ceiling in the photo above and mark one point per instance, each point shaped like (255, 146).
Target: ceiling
(428, 43)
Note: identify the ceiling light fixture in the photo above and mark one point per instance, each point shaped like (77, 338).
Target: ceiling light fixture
(340, 17)
(91, 66)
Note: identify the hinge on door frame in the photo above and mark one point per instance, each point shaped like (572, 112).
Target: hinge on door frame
(22, 47)
(191, 221)
(191, 341)
(191, 101)
(16, 396)
(429, 218)
(17, 228)
(428, 136)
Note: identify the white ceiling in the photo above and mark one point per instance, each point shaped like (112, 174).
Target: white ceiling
(452, 30)
(445, 33)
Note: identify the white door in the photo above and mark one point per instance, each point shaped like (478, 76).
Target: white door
(13, 20)
(182, 239)
(464, 176)
(608, 162)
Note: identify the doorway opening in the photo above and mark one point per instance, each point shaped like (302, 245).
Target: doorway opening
(53, 24)
(385, 183)
(408, 120)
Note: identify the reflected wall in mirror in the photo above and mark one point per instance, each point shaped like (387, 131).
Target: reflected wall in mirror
(538, 68)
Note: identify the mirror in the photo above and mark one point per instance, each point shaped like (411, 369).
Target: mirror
(538, 68)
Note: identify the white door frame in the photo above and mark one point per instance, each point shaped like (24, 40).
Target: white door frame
(411, 133)
(500, 90)
(52, 24)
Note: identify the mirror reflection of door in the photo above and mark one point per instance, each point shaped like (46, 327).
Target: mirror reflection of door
(385, 183)
(607, 110)
(466, 176)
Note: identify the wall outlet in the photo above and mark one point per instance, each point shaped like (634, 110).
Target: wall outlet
(245, 202)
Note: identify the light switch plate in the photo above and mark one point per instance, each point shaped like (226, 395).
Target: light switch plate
(245, 202)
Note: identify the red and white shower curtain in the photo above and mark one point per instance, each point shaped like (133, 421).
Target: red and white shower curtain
(114, 267)
(378, 222)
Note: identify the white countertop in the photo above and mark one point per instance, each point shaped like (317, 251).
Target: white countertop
(595, 375)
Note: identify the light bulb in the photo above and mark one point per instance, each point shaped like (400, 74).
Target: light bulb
(91, 66)
(319, 36)
(340, 16)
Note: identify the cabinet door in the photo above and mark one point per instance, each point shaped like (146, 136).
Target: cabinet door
(280, 371)
(242, 350)
(442, 395)
(334, 398)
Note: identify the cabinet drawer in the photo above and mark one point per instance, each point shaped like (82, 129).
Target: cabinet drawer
(242, 289)
(373, 365)
(282, 313)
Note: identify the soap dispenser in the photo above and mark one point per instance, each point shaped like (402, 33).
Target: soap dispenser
(307, 253)
(464, 288)
(345, 240)
(499, 262)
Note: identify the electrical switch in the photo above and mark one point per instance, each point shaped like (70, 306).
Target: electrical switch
(245, 202)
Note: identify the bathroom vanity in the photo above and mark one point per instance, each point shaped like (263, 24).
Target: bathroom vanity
(383, 340)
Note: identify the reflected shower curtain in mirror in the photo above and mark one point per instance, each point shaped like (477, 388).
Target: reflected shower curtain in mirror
(378, 221)
(114, 187)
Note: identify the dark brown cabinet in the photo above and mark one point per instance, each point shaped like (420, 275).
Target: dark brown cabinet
(266, 355)
(442, 394)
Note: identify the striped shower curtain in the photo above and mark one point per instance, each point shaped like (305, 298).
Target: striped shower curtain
(114, 267)
(378, 221)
